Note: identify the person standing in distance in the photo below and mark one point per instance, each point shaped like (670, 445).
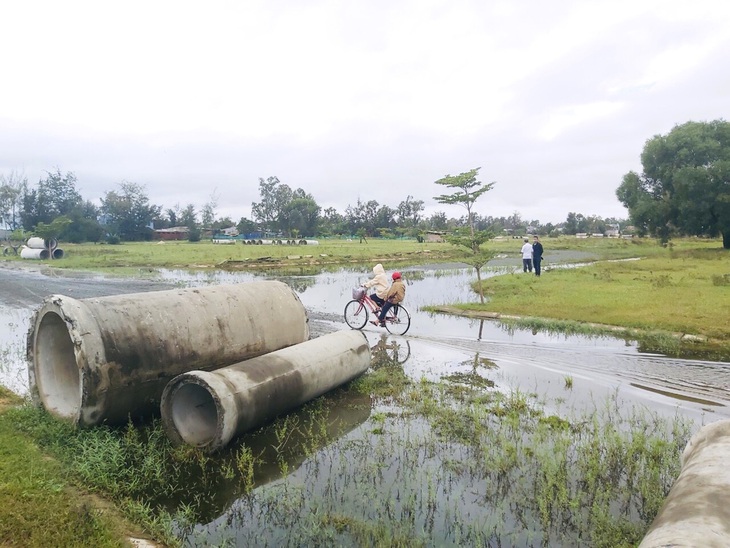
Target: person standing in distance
(527, 256)
(536, 255)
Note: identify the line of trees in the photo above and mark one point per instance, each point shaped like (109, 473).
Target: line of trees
(684, 189)
(56, 208)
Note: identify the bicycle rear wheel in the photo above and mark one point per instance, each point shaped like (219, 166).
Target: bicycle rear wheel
(398, 320)
(356, 314)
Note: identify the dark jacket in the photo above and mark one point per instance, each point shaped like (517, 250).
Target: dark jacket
(537, 251)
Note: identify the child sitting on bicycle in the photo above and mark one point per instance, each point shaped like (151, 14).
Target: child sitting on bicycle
(395, 295)
(379, 283)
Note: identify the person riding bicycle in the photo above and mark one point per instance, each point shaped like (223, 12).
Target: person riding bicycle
(395, 295)
(379, 283)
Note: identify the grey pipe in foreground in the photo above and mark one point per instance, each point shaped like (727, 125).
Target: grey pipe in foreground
(209, 409)
(104, 359)
(697, 510)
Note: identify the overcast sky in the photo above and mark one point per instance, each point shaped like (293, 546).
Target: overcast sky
(346, 100)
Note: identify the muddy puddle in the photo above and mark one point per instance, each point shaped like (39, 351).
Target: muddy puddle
(355, 459)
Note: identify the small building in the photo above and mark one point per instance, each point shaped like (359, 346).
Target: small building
(172, 233)
(613, 230)
(435, 236)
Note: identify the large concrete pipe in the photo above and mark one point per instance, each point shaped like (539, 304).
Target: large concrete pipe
(697, 509)
(34, 253)
(209, 409)
(104, 359)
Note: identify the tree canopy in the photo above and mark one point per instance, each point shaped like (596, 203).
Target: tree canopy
(685, 185)
(127, 213)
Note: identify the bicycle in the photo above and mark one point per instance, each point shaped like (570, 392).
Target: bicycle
(357, 311)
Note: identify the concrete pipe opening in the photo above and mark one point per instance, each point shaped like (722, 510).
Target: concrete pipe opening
(57, 375)
(194, 414)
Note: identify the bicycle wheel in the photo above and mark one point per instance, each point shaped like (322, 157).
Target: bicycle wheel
(398, 320)
(356, 314)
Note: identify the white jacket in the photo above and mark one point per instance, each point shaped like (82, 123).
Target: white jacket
(379, 282)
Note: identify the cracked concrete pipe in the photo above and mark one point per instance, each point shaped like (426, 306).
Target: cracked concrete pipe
(209, 409)
(105, 359)
(696, 511)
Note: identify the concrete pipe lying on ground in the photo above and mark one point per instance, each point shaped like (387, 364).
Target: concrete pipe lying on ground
(209, 409)
(109, 358)
(697, 509)
(34, 253)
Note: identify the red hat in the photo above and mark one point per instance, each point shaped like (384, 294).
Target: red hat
(396, 275)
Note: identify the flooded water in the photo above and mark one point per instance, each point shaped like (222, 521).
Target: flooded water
(363, 454)
(441, 344)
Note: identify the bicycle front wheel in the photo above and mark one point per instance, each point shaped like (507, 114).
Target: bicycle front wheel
(356, 314)
(398, 320)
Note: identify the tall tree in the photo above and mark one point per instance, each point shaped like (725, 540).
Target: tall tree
(300, 217)
(409, 212)
(685, 184)
(331, 222)
(207, 214)
(84, 225)
(12, 188)
(361, 217)
(466, 191)
(270, 212)
(55, 196)
(188, 217)
(128, 213)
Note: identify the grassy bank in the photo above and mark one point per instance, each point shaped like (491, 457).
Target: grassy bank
(205, 254)
(668, 293)
(40, 503)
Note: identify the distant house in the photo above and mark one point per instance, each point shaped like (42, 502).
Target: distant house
(435, 236)
(612, 230)
(230, 231)
(172, 233)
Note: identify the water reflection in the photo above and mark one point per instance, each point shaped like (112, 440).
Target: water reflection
(273, 452)
(390, 350)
